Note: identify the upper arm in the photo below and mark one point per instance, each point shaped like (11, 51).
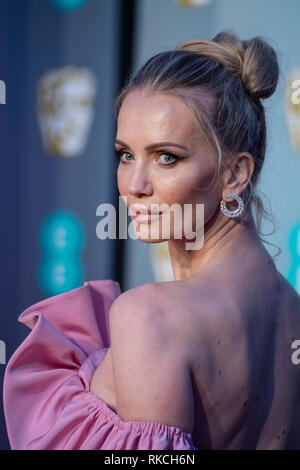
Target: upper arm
(152, 378)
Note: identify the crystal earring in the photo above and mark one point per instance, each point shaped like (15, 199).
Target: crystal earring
(237, 211)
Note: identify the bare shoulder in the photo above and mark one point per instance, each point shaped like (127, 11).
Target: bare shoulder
(147, 308)
(138, 301)
(163, 309)
(179, 311)
(163, 301)
(126, 319)
(146, 359)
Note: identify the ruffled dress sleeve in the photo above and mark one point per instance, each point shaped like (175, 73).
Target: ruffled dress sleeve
(46, 391)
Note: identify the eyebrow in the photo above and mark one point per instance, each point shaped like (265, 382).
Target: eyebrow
(152, 146)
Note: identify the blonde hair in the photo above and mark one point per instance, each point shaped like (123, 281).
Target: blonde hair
(223, 82)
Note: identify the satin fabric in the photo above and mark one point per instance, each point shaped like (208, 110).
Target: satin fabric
(46, 391)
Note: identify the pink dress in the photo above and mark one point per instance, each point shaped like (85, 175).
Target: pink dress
(46, 391)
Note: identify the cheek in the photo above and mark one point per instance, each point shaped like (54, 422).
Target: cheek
(174, 193)
(201, 182)
(171, 189)
(188, 187)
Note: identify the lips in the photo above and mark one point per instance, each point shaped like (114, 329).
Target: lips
(146, 217)
(149, 212)
(145, 214)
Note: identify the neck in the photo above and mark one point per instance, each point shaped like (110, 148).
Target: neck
(221, 234)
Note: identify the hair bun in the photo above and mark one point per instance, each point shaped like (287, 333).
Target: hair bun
(254, 61)
(259, 69)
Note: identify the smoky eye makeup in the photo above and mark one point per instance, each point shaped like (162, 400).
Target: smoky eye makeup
(175, 158)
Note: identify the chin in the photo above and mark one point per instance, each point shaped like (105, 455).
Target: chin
(151, 240)
(144, 236)
(152, 232)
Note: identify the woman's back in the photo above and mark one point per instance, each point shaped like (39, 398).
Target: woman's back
(242, 322)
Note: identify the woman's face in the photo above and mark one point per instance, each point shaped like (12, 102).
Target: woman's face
(177, 172)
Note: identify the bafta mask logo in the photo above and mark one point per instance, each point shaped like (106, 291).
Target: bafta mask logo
(292, 108)
(65, 110)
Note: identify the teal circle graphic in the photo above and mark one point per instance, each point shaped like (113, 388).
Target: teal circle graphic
(59, 274)
(293, 275)
(66, 5)
(294, 241)
(61, 233)
(61, 238)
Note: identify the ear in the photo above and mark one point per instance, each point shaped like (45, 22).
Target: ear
(237, 173)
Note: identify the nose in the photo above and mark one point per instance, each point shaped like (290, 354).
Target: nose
(139, 184)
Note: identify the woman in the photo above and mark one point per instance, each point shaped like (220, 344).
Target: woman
(204, 361)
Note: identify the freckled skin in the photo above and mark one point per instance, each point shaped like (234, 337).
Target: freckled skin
(235, 309)
(257, 393)
(144, 180)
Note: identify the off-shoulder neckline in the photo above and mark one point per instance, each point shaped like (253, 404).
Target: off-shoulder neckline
(86, 371)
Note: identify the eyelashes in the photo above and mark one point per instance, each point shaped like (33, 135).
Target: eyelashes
(120, 152)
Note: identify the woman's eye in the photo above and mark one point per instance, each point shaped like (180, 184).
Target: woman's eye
(120, 153)
(125, 153)
(170, 157)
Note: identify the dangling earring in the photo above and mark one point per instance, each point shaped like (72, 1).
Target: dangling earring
(237, 211)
